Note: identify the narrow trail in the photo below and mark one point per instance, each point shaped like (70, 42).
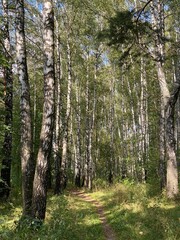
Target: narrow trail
(108, 231)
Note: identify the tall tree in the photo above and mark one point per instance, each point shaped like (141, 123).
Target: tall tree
(27, 162)
(111, 130)
(43, 158)
(58, 98)
(148, 33)
(88, 164)
(168, 99)
(63, 175)
(77, 167)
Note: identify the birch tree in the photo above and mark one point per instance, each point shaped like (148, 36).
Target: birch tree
(43, 158)
(27, 163)
(63, 175)
(148, 33)
(57, 138)
(77, 170)
(168, 100)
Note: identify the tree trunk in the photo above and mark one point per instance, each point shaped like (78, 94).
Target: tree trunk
(168, 101)
(172, 170)
(43, 158)
(78, 141)
(27, 163)
(8, 100)
(58, 122)
(111, 130)
(144, 122)
(88, 164)
(63, 177)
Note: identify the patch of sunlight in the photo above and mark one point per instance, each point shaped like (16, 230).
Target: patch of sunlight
(90, 221)
(104, 197)
(78, 204)
(9, 221)
(133, 207)
(154, 203)
(99, 195)
(168, 206)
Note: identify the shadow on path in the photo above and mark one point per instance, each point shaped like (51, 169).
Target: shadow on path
(108, 231)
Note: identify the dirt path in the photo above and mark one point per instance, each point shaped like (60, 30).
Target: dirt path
(108, 231)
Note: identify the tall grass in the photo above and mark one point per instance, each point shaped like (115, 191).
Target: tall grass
(135, 213)
(133, 210)
(67, 218)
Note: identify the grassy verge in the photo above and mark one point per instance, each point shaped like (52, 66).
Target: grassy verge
(134, 214)
(68, 218)
(131, 209)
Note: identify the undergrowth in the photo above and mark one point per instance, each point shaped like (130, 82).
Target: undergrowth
(132, 210)
(135, 213)
(67, 218)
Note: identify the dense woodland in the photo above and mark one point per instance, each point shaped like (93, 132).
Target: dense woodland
(89, 96)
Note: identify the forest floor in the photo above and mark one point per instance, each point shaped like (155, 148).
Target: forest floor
(107, 229)
(126, 210)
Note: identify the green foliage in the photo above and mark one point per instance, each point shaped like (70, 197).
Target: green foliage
(130, 209)
(26, 222)
(66, 218)
(121, 28)
(125, 29)
(99, 183)
(134, 213)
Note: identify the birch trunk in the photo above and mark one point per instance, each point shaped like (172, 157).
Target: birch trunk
(123, 133)
(88, 164)
(111, 129)
(172, 168)
(58, 123)
(168, 102)
(157, 9)
(144, 122)
(78, 141)
(27, 163)
(135, 145)
(43, 158)
(63, 177)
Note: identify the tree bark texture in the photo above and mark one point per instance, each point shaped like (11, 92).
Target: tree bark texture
(27, 163)
(88, 164)
(57, 132)
(77, 169)
(43, 158)
(58, 123)
(63, 177)
(168, 102)
(111, 130)
(172, 168)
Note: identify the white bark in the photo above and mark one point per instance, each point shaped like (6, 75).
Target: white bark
(168, 102)
(67, 117)
(78, 138)
(57, 138)
(27, 163)
(88, 164)
(40, 179)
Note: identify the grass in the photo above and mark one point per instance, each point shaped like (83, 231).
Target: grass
(131, 210)
(67, 218)
(134, 214)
